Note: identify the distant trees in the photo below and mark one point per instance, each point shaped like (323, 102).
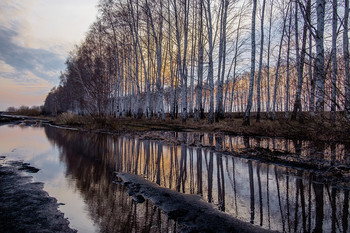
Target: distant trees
(25, 110)
(145, 58)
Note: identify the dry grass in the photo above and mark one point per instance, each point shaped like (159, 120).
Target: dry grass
(312, 128)
(71, 119)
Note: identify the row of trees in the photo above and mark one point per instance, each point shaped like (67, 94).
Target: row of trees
(149, 58)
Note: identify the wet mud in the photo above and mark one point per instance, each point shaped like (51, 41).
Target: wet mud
(24, 205)
(190, 211)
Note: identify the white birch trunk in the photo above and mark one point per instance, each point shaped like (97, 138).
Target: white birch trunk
(246, 119)
(210, 60)
(158, 42)
(300, 62)
(235, 62)
(278, 67)
(258, 80)
(334, 61)
(312, 78)
(199, 111)
(222, 61)
(346, 59)
(268, 65)
(320, 72)
(286, 106)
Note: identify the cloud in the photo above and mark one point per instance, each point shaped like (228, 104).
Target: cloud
(6, 68)
(35, 38)
(41, 62)
(54, 25)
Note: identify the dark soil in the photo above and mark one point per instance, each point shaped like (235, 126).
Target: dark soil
(24, 205)
(190, 211)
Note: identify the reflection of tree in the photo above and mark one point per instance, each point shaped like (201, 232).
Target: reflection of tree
(290, 202)
(199, 172)
(220, 174)
(251, 185)
(318, 190)
(183, 170)
(279, 199)
(268, 196)
(109, 205)
(260, 193)
(300, 192)
(346, 211)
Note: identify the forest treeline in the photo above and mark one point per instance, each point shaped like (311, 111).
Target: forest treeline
(207, 59)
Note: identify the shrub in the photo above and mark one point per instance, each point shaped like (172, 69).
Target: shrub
(69, 118)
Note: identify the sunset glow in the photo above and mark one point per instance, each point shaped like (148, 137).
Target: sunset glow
(36, 37)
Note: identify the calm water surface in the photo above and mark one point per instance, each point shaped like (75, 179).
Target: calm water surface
(77, 168)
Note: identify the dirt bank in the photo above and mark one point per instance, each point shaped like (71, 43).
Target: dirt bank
(24, 205)
(190, 211)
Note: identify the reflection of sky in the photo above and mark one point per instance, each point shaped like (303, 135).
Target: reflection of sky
(31, 145)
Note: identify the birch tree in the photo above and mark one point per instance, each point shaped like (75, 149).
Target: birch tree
(246, 119)
(210, 60)
(300, 60)
(199, 111)
(268, 63)
(285, 15)
(222, 61)
(286, 106)
(235, 58)
(334, 60)
(182, 59)
(319, 66)
(346, 58)
(158, 41)
(258, 80)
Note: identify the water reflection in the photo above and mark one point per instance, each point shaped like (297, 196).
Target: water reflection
(109, 205)
(331, 153)
(275, 197)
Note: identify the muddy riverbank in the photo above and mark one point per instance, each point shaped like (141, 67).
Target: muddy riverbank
(24, 205)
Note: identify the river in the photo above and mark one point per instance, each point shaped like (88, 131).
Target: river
(77, 168)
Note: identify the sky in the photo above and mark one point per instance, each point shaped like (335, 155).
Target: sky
(35, 39)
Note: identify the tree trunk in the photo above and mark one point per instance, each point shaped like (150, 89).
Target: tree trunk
(158, 42)
(268, 65)
(258, 82)
(334, 61)
(182, 62)
(286, 106)
(278, 66)
(300, 62)
(235, 62)
(346, 59)
(320, 73)
(211, 66)
(312, 78)
(199, 112)
(222, 62)
(246, 119)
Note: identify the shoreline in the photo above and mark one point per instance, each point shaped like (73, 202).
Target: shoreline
(311, 129)
(24, 205)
